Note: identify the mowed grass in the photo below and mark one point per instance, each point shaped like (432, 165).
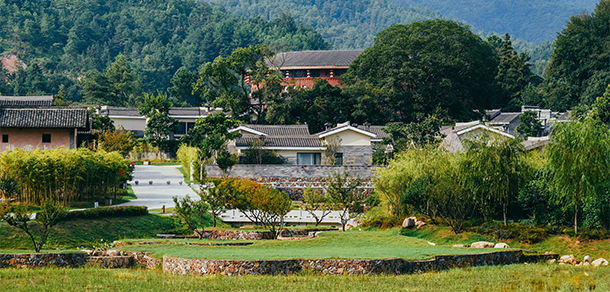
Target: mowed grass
(352, 244)
(534, 277)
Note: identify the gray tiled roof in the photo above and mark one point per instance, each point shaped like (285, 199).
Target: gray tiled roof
(504, 118)
(44, 118)
(377, 130)
(120, 111)
(281, 130)
(316, 59)
(26, 101)
(282, 142)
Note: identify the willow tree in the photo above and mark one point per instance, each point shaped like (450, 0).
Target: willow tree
(494, 171)
(579, 159)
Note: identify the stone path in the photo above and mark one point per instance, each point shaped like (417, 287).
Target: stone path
(159, 193)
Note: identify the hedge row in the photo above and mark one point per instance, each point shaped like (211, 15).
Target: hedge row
(105, 212)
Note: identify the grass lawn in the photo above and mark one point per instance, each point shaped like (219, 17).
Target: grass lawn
(76, 233)
(330, 244)
(534, 277)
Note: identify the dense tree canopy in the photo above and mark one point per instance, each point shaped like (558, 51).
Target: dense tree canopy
(67, 38)
(579, 71)
(414, 69)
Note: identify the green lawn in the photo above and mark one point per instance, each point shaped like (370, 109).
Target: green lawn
(534, 277)
(76, 233)
(330, 244)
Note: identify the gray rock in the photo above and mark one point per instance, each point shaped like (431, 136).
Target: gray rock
(482, 244)
(501, 245)
(599, 262)
(409, 222)
(587, 259)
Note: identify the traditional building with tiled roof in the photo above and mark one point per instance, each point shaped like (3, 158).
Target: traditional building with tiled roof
(32, 128)
(26, 101)
(298, 146)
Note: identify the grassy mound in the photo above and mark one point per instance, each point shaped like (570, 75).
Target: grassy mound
(561, 244)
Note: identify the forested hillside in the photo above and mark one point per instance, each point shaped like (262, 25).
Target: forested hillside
(532, 20)
(345, 24)
(60, 40)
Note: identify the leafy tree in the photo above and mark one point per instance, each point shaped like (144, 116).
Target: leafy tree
(414, 134)
(218, 196)
(343, 190)
(225, 161)
(117, 85)
(513, 74)
(210, 135)
(578, 71)
(191, 213)
(100, 122)
(315, 106)
(181, 91)
(495, 170)
(159, 124)
(579, 161)
(49, 215)
(116, 140)
(601, 107)
(412, 70)
(529, 125)
(317, 204)
(257, 154)
(222, 82)
(261, 204)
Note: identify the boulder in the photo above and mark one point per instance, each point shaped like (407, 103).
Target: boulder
(599, 262)
(459, 245)
(113, 253)
(419, 223)
(587, 259)
(409, 222)
(568, 259)
(482, 244)
(501, 245)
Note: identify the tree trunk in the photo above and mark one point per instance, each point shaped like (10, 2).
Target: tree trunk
(504, 213)
(214, 220)
(576, 219)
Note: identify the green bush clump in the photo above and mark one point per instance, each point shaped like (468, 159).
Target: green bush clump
(104, 212)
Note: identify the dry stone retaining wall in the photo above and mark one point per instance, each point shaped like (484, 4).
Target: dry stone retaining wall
(72, 260)
(336, 266)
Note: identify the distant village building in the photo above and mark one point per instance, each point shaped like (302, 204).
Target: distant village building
(31, 122)
(132, 121)
(299, 147)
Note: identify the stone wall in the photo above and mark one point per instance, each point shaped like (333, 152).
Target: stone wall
(293, 179)
(357, 155)
(337, 266)
(290, 171)
(110, 262)
(144, 259)
(36, 260)
(254, 235)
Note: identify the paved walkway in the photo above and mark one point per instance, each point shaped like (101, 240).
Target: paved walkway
(159, 193)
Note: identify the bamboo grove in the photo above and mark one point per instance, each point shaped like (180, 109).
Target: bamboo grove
(63, 175)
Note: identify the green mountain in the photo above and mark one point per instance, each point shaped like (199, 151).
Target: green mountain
(345, 24)
(532, 20)
(59, 40)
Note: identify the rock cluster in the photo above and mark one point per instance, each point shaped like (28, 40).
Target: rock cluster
(412, 221)
(571, 260)
(72, 260)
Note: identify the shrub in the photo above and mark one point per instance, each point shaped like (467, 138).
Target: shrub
(107, 212)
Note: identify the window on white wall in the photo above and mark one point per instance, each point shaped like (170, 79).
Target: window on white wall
(309, 158)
